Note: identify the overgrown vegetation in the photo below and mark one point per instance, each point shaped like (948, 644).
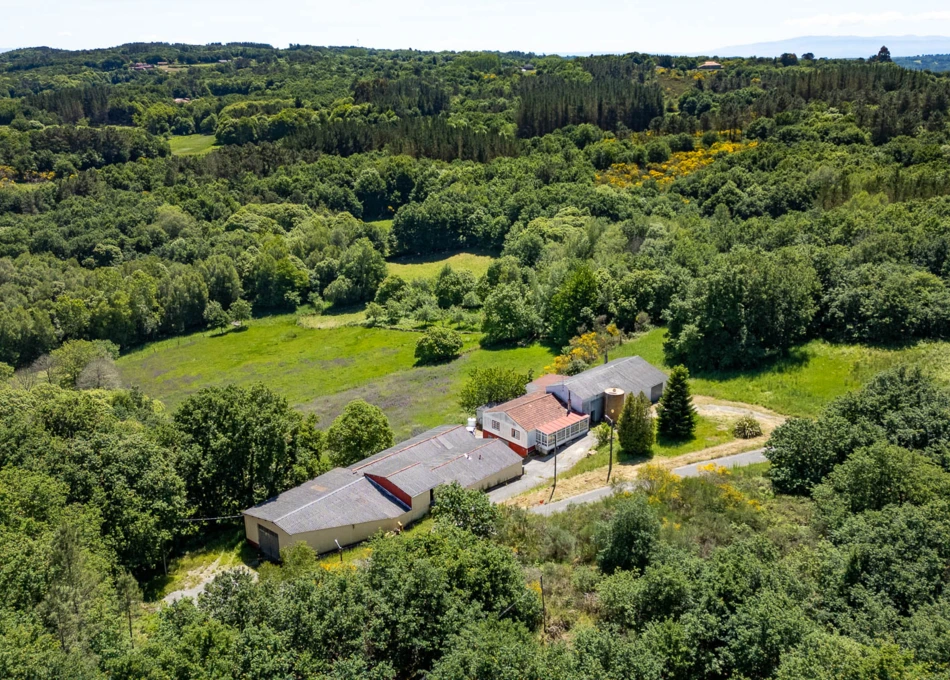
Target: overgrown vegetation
(765, 214)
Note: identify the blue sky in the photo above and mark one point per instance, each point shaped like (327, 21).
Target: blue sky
(684, 26)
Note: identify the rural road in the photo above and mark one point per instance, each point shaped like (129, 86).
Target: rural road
(540, 470)
(692, 470)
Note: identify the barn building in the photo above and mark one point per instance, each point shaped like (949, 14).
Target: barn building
(585, 391)
(387, 491)
(558, 409)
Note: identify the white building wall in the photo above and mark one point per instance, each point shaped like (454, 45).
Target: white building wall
(505, 426)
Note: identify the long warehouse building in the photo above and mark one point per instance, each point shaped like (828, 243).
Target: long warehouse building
(387, 491)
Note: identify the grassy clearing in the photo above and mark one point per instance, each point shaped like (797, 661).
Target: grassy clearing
(226, 550)
(709, 432)
(319, 370)
(801, 384)
(320, 363)
(426, 267)
(331, 318)
(191, 145)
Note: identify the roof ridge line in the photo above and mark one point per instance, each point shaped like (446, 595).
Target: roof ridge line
(393, 474)
(405, 448)
(534, 397)
(465, 453)
(317, 500)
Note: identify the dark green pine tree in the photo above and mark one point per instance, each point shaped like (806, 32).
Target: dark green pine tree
(635, 429)
(676, 416)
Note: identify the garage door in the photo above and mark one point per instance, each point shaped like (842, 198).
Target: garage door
(270, 544)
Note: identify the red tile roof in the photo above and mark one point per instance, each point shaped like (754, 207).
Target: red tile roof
(560, 423)
(531, 410)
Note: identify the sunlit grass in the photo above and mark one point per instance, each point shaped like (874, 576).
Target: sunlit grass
(804, 382)
(228, 549)
(709, 432)
(191, 145)
(425, 267)
(319, 370)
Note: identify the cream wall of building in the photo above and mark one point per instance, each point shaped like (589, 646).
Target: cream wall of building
(322, 541)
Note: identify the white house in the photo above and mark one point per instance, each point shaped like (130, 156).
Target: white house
(536, 421)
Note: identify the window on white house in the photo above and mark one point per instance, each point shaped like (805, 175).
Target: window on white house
(515, 434)
(495, 425)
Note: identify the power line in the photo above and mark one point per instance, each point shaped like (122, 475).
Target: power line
(210, 519)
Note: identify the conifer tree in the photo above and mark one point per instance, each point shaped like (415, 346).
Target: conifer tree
(635, 426)
(676, 416)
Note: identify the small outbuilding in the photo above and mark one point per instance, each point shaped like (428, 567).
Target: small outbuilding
(710, 66)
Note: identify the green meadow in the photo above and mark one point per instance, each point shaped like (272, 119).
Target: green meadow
(191, 145)
(427, 267)
(321, 363)
(321, 369)
(802, 383)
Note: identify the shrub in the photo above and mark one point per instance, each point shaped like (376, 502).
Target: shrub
(635, 429)
(747, 427)
(438, 344)
(602, 434)
(467, 509)
(629, 540)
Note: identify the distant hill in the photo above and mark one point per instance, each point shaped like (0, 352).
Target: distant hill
(933, 62)
(841, 46)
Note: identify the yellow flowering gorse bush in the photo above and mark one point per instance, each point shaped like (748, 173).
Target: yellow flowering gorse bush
(680, 164)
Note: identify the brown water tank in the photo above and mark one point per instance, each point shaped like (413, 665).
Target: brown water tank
(613, 402)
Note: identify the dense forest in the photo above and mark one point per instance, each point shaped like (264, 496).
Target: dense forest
(747, 210)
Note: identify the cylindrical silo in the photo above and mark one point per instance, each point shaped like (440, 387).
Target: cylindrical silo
(613, 402)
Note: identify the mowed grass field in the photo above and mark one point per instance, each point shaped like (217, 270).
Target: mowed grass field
(191, 145)
(802, 383)
(427, 267)
(320, 369)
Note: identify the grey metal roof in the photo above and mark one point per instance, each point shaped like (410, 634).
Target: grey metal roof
(480, 463)
(415, 479)
(631, 374)
(346, 496)
(431, 447)
(337, 498)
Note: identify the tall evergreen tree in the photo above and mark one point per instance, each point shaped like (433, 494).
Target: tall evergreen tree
(676, 416)
(635, 428)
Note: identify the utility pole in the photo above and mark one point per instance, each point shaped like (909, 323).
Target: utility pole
(554, 488)
(610, 461)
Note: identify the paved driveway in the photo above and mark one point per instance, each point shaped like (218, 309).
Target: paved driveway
(538, 470)
(737, 460)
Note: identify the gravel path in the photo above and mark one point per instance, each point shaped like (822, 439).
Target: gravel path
(538, 470)
(205, 576)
